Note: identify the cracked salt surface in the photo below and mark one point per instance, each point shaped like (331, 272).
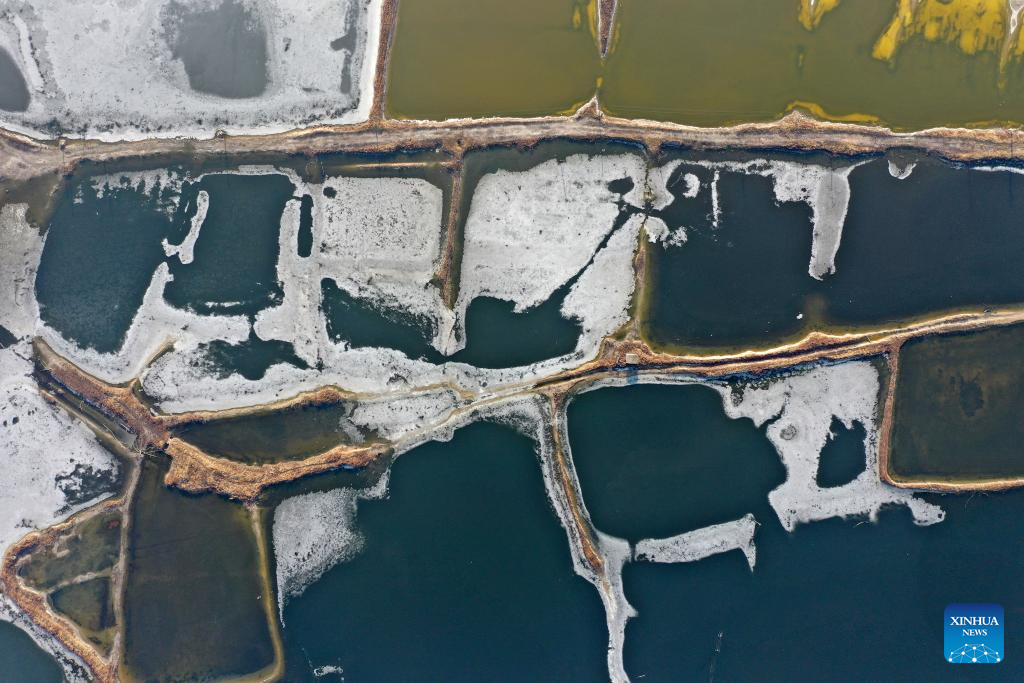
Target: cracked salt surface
(529, 232)
(19, 261)
(120, 70)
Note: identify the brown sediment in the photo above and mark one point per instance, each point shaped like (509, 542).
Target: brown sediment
(275, 670)
(195, 471)
(35, 605)
(22, 158)
(388, 23)
(450, 259)
(118, 403)
(634, 355)
(566, 480)
(605, 22)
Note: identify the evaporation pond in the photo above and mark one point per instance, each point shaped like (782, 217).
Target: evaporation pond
(716, 62)
(465, 573)
(958, 402)
(194, 605)
(945, 238)
(657, 460)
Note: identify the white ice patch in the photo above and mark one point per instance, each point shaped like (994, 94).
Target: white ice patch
(19, 261)
(529, 232)
(700, 543)
(805, 405)
(40, 447)
(901, 173)
(185, 250)
(314, 532)
(104, 69)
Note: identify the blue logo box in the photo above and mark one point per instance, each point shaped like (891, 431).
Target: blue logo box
(973, 633)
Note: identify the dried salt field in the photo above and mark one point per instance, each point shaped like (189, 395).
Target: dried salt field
(330, 350)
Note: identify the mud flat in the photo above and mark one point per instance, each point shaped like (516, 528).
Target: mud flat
(955, 419)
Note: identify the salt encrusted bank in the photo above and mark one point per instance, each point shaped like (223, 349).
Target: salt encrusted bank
(122, 77)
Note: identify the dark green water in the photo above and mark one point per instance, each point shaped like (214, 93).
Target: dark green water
(22, 661)
(290, 434)
(958, 402)
(361, 325)
(842, 459)
(834, 600)
(235, 266)
(655, 460)
(250, 358)
(465, 576)
(193, 597)
(99, 258)
(945, 238)
(498, 337)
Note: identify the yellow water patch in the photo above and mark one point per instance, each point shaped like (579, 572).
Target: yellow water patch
(592, 20)
(818, 112)
(972, 25)
(812, 11)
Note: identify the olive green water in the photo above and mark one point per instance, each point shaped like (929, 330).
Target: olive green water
(290, 434)
(957, 410)
(698, 62)
(716, 62)
(453, 58)
(193, 605)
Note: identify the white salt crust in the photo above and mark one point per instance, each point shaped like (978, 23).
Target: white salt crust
(901, 173)
(825, 189)
(185, 250)
(19, 260)
(393, 269)
(103, 69)
(39, 445)
(529, 232)
(804, 405)
(700, 543)
(314, 532)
